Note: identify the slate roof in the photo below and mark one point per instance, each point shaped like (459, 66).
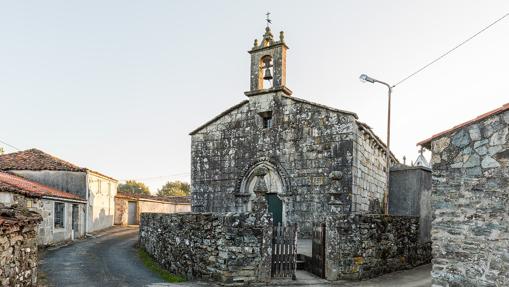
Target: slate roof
(172, 199)
(34, 159)
(427, 142)
(16, 184)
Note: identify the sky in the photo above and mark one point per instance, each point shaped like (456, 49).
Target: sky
(116, 86)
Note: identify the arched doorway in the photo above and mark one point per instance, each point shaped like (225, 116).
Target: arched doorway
(274, 189)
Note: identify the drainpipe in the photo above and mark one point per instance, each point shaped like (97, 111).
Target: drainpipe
(87, 205)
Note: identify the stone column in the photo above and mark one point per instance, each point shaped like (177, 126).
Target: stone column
(260, 190)
(264, 220)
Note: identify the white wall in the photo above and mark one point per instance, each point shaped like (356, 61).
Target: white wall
(101, 204)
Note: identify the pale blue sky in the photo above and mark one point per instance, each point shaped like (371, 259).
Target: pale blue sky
(116, 86)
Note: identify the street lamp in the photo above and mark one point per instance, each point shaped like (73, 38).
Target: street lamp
(366, 79)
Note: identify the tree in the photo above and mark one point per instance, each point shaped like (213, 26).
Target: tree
(1, 150)
(132, 186)
(175, 188)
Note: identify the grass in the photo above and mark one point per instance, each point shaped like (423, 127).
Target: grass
(154, 267)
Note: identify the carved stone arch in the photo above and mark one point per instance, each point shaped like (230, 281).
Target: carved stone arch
(276, 183)
(281, 171)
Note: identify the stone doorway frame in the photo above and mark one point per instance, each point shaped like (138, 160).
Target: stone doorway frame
(246, 182)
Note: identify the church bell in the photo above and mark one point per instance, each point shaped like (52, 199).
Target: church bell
(267, 76)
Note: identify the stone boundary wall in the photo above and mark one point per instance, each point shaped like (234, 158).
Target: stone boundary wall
(229, 248)
(18, 246)
(361, 246)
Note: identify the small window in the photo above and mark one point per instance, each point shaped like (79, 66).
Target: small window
(267, 119)
(59, 214)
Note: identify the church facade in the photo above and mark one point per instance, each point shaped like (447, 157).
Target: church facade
(314, 160)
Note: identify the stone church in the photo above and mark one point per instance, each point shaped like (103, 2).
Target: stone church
(314, 160)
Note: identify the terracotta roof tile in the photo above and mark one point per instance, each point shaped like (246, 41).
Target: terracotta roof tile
(13, 183)
(34, 159)
(427, 142)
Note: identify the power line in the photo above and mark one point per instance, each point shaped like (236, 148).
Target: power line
(451, 50)
(7, 144)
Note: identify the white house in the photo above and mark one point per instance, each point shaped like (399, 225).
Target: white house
(97, 189)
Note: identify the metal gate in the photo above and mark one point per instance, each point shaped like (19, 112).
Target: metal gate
(284, 251)
(318, 250)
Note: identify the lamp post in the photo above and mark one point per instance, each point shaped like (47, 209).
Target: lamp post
(366, 79)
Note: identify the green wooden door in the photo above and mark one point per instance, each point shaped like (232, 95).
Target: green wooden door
(275, 206)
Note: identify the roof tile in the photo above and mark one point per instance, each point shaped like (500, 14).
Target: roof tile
(34, 159)
(427, 142)
(13, 183)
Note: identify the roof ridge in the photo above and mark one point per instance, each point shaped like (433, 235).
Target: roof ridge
(35, 159)
(57, 158)
(320, 105)
(218, 116)
(426, 143)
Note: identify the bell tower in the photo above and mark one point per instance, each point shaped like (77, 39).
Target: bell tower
(268, 65)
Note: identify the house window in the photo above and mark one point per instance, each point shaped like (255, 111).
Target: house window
(267, 119)
(59, 214)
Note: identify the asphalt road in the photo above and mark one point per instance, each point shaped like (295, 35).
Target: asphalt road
(110, 259)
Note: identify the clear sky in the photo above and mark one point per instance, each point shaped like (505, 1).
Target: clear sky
(116, 86)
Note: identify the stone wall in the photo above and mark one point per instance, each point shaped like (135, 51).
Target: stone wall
(370, 177)
(18, 246)
(361, 246)
(47, 233)
(121, 211)
(230, 248)
(312, 148)
(470, 199)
